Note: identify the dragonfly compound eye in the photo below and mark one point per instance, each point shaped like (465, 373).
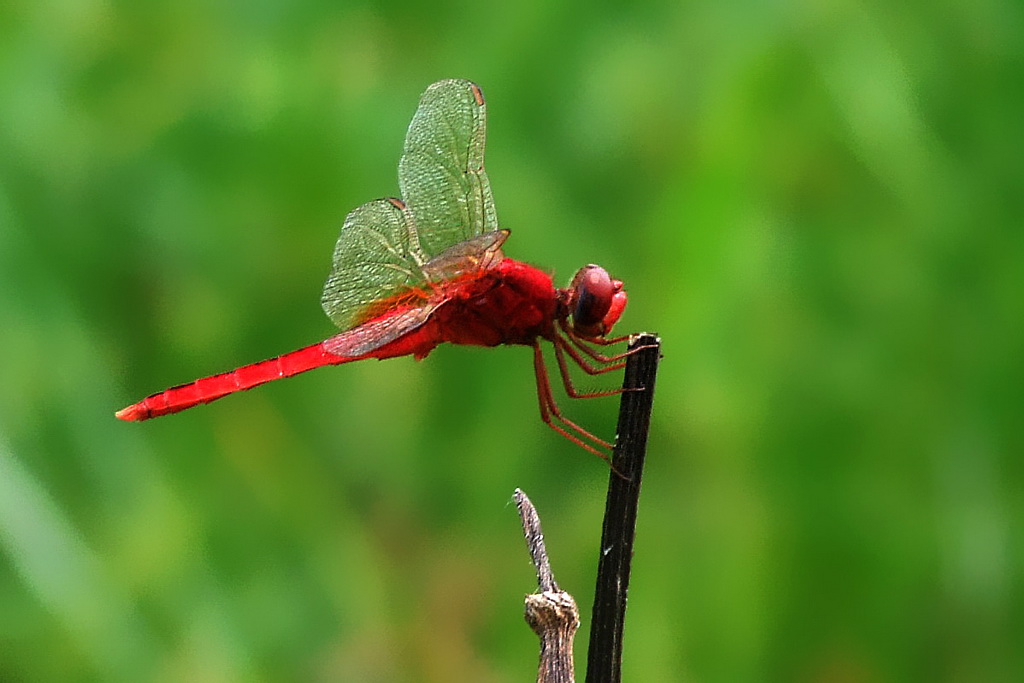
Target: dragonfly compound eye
(594, 292)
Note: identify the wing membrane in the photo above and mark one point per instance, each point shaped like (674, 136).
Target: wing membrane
(441, 173)
(374, 334)
(372, 261)
(446, 226)
(480, 253)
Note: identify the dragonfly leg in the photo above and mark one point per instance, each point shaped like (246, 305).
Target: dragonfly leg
(553, 417)
(605, 363)
(561, 348)
(600, 341)
(582, 343)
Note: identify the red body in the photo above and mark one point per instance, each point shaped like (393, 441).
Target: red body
(408, 274)
(511, 303)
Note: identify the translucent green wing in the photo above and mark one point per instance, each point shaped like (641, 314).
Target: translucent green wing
(373, 260)
(386, 246)
(441, 173)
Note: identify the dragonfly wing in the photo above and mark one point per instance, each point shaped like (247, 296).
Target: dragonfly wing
(388, 250)
(373, 260)
(441, 173)
(479, 253)
(375, 333)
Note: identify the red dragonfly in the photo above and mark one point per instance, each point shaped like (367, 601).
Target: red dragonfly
(411, 273)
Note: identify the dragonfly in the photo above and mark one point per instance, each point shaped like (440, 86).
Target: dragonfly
(412, 273)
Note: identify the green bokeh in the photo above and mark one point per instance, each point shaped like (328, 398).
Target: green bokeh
(820, 208)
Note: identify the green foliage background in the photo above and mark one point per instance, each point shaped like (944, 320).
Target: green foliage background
(817, 205)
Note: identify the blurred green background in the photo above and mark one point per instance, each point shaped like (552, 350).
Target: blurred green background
(817, 205)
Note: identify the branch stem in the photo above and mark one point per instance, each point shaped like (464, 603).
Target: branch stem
(604, 661)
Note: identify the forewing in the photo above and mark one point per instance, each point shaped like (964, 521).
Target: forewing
(372, 261)
(441, 173)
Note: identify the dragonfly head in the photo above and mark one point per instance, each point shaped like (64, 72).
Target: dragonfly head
(595, 301)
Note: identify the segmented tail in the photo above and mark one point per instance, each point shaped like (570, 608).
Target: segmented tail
(211, 388)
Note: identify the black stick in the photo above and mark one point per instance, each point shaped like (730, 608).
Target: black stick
(604, 659)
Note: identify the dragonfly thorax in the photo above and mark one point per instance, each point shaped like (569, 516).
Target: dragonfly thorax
(594, 300)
